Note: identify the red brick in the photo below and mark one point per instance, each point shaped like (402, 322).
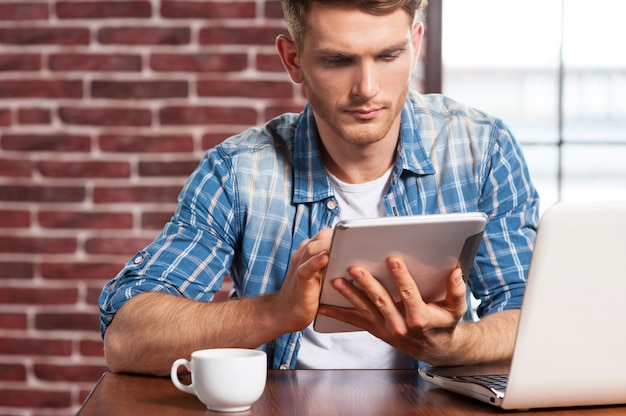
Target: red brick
(12, 372)
(200, 62)
(120, 246)
(24, 11)
(35, 398)
(90, 348)
(26, 193)
(38, 88)
(86, 169)
(155, 220)
(239, 36)
(5, 117)
(35, 346)
(34, 116)
(203, 115)
(14, 218)
(144, 36)
(94, 62)
(146, 144)
(71, 321)
(15, 168)
(241, 88)
(139, 89)
(70, 372)
(37, 245)
(269, 63)
(222, 295)
(79, 271)
(46, 143)
(38, 296)
(211, 140)
(17, 270)
(177, 168)
(83, 394)
(44, 36)
(276, 110)
(102, 9)
(273, 9)
(13, 320)
(89, 220)
(207, 9)
(143, 194)
(93, 293)
(20, 62)
(105, 116)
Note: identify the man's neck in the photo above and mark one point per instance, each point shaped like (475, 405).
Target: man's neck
(359, 165)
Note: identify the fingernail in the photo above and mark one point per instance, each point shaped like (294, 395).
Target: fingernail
(339, 284)
(394, 265)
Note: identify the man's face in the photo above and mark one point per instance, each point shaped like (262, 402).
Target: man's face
(356, 70)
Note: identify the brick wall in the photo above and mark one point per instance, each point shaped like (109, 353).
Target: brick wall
(105, 108)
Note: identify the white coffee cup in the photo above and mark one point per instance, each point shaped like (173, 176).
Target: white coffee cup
(224, 379)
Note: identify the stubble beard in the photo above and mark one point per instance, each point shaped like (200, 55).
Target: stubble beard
(359, 132)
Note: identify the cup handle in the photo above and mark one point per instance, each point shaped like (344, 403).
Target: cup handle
(174, 376)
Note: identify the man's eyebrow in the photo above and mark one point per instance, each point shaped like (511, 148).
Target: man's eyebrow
(334, 53)
(395, 48)
(337, 53)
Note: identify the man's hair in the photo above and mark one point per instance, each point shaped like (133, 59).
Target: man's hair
(296, 11)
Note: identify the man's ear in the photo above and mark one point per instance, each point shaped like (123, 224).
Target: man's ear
(288, 53)
(416, 37)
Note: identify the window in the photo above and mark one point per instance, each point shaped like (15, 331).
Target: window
(554, 72)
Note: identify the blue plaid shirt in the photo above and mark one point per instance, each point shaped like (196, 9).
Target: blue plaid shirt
(255, 197)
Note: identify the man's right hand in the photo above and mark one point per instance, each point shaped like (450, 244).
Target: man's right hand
(298, 299)
(153, 329)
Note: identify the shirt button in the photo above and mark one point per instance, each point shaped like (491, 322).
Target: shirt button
(138, 259)
(332, 204)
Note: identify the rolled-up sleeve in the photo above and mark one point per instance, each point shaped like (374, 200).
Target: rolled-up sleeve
(193, 253)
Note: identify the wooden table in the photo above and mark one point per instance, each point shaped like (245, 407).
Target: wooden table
(306, 392)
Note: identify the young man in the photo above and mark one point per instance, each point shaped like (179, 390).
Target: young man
(260, 206)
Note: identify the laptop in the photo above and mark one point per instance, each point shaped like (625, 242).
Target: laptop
(570, 348)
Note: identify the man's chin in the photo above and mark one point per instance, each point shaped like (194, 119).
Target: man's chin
(362, 138)
(371, 131)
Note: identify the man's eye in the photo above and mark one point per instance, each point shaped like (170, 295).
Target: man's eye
(390, 57)
(337, 61)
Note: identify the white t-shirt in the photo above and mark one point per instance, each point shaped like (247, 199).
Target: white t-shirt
(359, 350)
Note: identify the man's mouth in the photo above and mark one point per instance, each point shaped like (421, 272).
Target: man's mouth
(365, 113)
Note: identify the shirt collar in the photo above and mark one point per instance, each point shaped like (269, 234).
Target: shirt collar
(310, 180)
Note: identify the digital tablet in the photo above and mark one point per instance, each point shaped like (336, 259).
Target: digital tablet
(432, 246)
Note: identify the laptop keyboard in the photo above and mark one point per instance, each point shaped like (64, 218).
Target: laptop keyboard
(496, 382)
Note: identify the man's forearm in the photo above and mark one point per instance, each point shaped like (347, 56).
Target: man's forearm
(489, 340)
(153, 329)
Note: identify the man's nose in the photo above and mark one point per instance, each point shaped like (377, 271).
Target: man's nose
(366, 81)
